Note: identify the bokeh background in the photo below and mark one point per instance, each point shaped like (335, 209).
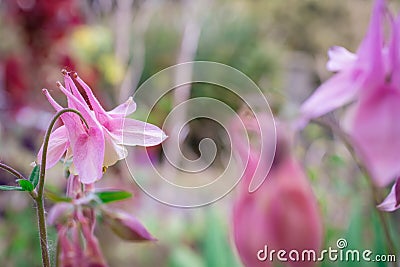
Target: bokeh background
(115, 45)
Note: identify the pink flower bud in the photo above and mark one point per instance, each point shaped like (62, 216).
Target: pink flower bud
(126, 226)
(282, 214)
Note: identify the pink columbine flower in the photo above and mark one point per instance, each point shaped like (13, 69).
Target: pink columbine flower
(102, 143)
(281, 214)
(370, 82)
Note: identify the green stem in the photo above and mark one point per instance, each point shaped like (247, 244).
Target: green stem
(17, 174)
(42, 231)
(39, 196)
(345, 138)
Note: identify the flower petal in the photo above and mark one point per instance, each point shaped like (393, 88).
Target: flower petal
(69, 85)
(58, 144)
(124, 109)
(337, 91)
(375, 130)
(81, 107)
(101, 114)
(72, 121)
(340, 58)
(113, 151)
(370, 56)
(132, 132)
(390, 202)
(89, 155)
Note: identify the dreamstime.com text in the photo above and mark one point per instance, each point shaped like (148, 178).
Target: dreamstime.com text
(340, 253)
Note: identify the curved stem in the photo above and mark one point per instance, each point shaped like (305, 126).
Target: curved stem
(11, 170)
(39, 197)
(46, 145)
(17, 174)
(331, 125)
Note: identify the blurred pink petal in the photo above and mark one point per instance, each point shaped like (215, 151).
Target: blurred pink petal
(340, 58)
(375, 129)
(392, 201)
(339, 90)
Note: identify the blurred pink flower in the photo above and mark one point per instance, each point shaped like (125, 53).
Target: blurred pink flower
(102, 144)
(370, 79)
(281, 214)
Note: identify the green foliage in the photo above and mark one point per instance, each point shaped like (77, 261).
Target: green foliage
(55, 196)
(111, 196)
(25, 185)
(22, 238)
(34, 176)
(217, 250)
(183, 256)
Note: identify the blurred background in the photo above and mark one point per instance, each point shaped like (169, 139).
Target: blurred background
(115, 45)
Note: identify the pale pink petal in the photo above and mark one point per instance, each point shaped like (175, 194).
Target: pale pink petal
(390, 202)
(334, 93)
(132, 132)
(89, 155)
(58, 144)
(340, 58)
(113, 151)
(375, 130)
(124, 109)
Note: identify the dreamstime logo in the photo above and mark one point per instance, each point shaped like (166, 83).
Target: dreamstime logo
(340, 253)
(194, 190)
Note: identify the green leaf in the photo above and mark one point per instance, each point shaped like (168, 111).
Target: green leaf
(34, 177)
(53, 196)
(110, 196)
(25, 185)
(10, 188)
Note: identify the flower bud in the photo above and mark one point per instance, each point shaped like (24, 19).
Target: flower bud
(126, 226)
(281, 215)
